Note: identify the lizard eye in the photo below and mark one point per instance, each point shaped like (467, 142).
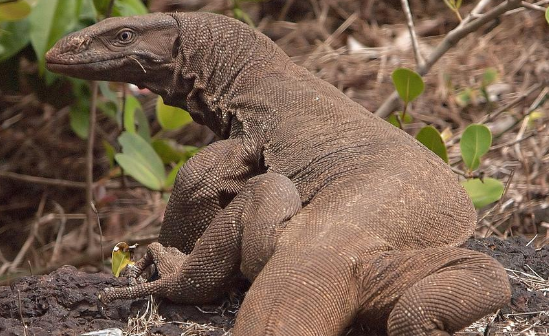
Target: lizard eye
(125, 36)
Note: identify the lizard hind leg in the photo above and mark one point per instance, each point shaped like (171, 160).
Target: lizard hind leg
(467, 286)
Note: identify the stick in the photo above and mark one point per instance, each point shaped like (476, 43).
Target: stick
(451, 39)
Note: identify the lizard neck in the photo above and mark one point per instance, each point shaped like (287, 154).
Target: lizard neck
(205, 69)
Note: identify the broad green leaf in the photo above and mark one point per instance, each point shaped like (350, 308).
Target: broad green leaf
(393, 119)
(107, 92)
(79, 118)
(170, 180)
(489, 76)
(465, 97)
(132, 104)
(124, 7)
(547, 14)
(50, 20)
(143, 128)
(88, 14)
(408, 84)
(170, 151)
(140, 161)
(14, 36)
(139, 171)
(483, 193)
(13, 11)
(121, 257)
(431, 138)
(171, 117)
(110, 152)
(475, 142)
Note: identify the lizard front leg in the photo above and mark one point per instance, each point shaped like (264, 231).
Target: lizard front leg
(248, 226)
(204, 185)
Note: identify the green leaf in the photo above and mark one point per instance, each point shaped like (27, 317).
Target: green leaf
(134, 116)
(121, 257)
(170, 151)
(110, 152)
(129, 8)
(143, 128)
(13, 11)
(170, 180)
(140, 161)
(483, 193)
(171, 117)
(14, 36)
(489, 76)
(547, 14)
(475, 142)
(408, 84)
(50, 20)
(406, 120)
(132, 104)
(431, 138)
(79, 118)
(107, 92)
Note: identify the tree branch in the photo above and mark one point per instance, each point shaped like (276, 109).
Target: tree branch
(451, 39)
(415, 45)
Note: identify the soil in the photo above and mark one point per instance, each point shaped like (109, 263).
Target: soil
(65, 301)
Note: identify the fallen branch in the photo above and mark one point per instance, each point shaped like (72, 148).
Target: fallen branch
(451, 39)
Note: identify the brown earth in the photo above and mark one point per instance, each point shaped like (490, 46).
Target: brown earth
(65, 301)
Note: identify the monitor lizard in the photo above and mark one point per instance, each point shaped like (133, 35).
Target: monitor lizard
(334, 215)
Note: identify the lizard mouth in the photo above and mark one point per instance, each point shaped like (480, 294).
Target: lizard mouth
(77, 68)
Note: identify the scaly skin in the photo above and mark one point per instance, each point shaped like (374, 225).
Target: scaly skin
(335, 215)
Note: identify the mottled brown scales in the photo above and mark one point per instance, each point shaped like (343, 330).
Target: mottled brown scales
(335, 215)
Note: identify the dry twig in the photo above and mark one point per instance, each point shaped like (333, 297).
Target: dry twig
(451, 39)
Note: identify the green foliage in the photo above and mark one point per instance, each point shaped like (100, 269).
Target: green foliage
(489, 76)
(14, 36)
(170, 180)
(121, 257)
(431, 138)
(14, 11)
(134, 116)
(404, 119)
(475, 142)
(240, 14)
(110, 152)
(483, 192)
(50, 20)
(79, 114)
(170, 152)
(170, 117)
(454, 5)
(121, 7)
(547, 14)
(408, 84)
(470, 95)
(140, 161)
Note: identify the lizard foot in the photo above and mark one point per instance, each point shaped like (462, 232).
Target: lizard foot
(168, 262)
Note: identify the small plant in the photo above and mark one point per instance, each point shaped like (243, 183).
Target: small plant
(469, 95)
(431, 138)
(409, 86)
(475, 141)
(121, 257)
(454, 5)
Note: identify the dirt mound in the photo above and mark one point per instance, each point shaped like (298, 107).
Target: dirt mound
(65, 301)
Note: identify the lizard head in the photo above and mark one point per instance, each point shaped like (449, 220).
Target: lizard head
(135, 50)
